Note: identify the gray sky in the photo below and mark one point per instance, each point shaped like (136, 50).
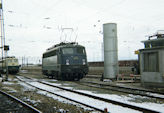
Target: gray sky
(27, 23)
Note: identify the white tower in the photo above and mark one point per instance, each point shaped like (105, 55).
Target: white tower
(110, 50)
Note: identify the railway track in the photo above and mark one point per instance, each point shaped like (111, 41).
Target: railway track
(89, 96)
(11, 104)
(128, 90)
(58, 94)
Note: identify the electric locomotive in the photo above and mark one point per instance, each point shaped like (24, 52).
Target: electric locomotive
(65, 61)
(11, 63)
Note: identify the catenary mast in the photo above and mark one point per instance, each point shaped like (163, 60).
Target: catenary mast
(3, 46)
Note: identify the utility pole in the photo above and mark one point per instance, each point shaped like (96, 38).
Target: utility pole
(1, 34)
(3, 46)
(27, 61)
(6, 48)
(24, 61)
(1, 19)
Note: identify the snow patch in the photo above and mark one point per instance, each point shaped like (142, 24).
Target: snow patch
(35, 102)
(125, 99)
(156, 95)
(96, 103)
(61, 99)
(26, 87)
(83, 99)
(7, 83)
(10, 89)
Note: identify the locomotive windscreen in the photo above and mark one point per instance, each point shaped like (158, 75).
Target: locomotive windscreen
(78, 50)
(68, 50)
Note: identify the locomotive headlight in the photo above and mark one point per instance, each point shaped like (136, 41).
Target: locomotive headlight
(67, 62)
(84, 62)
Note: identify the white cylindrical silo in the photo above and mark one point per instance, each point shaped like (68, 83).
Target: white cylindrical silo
(110, 50)
(102, 51)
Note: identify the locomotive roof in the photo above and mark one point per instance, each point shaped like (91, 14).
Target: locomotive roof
(63, 45)
(7, 58)
(13, 57)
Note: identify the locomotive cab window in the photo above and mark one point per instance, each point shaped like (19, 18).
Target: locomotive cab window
(9, 60)
(80, 50)
(15, 60)
(67, 50)
(49, 54)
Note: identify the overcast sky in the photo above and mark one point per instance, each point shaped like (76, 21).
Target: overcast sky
(31, 26)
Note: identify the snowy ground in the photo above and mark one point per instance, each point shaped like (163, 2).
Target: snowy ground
(126, 99)
(96, 103)
(83, 99)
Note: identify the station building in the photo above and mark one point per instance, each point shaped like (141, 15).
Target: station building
(151, 60)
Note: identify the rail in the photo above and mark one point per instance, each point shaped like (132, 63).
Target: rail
(145, 110)
(100, 110)
(135, 91)
(21, 102)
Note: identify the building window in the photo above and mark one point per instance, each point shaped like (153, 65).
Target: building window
(151, 62)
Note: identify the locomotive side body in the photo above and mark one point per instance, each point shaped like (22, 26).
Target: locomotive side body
(50, 63)
(65, 62)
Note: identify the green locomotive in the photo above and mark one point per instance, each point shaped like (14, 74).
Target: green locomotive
(65, 61)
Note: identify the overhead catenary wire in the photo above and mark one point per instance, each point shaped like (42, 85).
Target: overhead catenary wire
(51, 9)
